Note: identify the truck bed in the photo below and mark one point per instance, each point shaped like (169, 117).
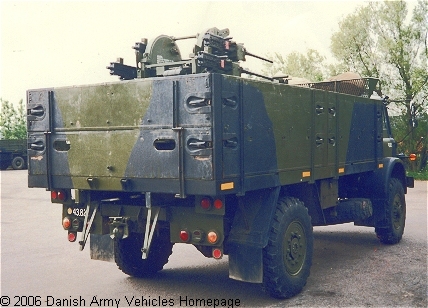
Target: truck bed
(197, 134)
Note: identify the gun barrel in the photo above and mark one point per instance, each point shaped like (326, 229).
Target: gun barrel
(258, 57)
(184, 37)
(255, 74)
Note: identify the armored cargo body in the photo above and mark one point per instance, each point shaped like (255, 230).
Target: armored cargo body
(188, 151)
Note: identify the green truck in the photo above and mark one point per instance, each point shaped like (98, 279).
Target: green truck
(189, 151)
(13, 153)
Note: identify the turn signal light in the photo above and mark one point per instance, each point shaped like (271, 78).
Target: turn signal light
(66, 223)
(212, 237)
(412, 157)
(72, 236)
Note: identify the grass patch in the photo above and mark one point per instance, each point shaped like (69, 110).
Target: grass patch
(419, 175)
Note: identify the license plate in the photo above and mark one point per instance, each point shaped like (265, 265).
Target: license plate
(79, 212)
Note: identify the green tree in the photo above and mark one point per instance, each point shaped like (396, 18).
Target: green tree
(311, 66)
(381, 40)
(399, 129)
(13, 123)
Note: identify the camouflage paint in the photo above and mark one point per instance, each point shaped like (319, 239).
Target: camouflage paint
(101, 123)
(311, 130)
(216, 134)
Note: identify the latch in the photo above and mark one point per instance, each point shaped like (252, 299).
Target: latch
(194, 102)
(37, 145)
(231, 143)
(319, 140)
(199, 102)
(319, 109)
(37, 111)
(196, 144)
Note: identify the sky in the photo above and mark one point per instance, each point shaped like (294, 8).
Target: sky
(65, 43)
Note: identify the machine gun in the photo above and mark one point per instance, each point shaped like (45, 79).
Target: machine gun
(214, 51)
(125, 72)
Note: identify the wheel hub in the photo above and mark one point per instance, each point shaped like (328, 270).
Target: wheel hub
(294, 248)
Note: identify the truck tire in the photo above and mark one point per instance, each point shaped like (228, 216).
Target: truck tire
(18, 163)
(395, 214)
(287, 258)
(127, 254)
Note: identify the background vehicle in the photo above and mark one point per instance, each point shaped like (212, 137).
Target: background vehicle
(188, 151)
(13, 153)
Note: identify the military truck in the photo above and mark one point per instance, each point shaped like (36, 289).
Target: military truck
(192, 151)
(13, 153)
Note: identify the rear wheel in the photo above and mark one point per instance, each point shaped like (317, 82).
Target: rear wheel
(128, 255)
(18, 163)
(287, 258)
(395, 214)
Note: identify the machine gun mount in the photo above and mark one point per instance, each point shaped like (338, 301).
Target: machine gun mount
(214, 51)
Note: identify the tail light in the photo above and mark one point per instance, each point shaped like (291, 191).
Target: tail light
(72, 236)
(412, 157)
(54, 195)
(184, 235)
(218, 204)
(206, 203)
(61, 195)
(58, 195)
(217, 253)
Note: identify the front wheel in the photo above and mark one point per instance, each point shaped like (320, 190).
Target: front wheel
(287, 258)
(395, 214)
(128, 255)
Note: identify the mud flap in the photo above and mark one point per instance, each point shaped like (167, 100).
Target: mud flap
(246, 263)
(102, 247)
(250, 233)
